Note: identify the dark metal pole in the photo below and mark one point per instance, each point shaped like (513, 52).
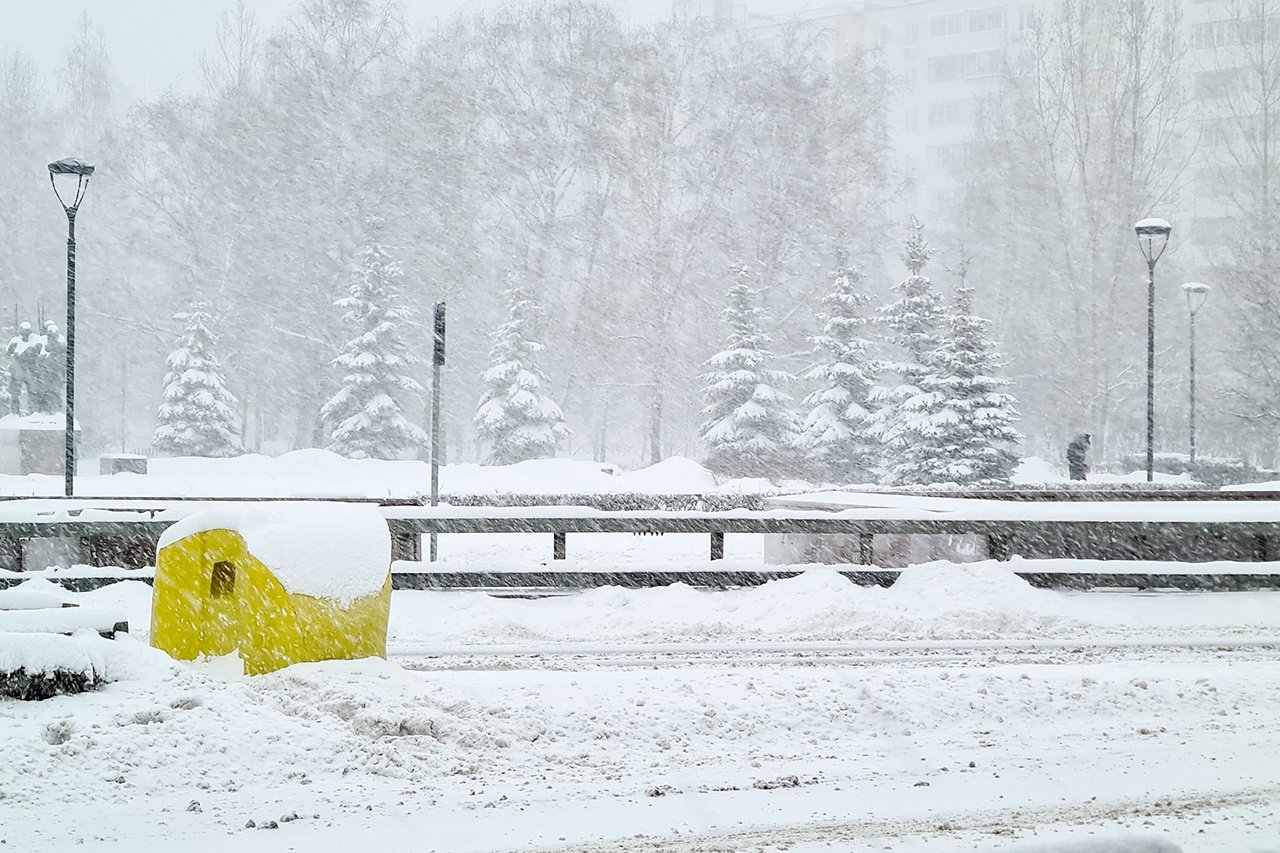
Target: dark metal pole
(69, 462)
(1151, 368)
(1192, 419)
(437, 362)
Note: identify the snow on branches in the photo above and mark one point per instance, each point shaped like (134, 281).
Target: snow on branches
(514, 416)
(365, 414)
(835, 437)
(750, 429)
(197, 413)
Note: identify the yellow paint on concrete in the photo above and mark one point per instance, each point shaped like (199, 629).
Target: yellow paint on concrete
(212, 597)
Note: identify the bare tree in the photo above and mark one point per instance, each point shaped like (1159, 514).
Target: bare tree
(1240, 155)
(1088, 136)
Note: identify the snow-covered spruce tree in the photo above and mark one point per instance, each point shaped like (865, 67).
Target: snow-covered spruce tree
(971, 422)
(517, 420)
(750, 429)
(915, 322)
(834, 438)
(197, 412)
(365, 415)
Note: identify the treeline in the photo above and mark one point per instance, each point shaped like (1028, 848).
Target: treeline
(615, 171)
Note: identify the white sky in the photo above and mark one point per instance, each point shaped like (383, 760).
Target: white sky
(155, 44)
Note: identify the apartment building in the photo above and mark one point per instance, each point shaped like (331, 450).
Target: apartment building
(946, 56)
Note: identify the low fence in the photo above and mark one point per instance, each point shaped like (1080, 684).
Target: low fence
(123, 532)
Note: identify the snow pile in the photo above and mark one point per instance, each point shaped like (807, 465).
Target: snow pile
(36, 421)
(975, 601)
(320, 473)
(943, 587)
(33, 594)
(37, 606)
(325, 550)
(60, 620)
(674, 474)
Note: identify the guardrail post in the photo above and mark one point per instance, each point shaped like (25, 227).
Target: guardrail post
(866, 549)
(406, 546)
(559, 545)
(11, 553)
(717, 546)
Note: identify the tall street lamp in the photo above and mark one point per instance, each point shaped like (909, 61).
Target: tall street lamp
(1153, 237)
(1196, 293)
(72, 177)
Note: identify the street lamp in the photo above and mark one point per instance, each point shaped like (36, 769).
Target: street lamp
(73, 178)
(1153, 237)
(1196, 293)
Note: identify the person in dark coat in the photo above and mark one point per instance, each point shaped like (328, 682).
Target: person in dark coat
(1077, 449)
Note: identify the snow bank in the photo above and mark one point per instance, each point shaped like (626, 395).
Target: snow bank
(676, 474)
(42, 421)
(334, 551)
(943, 587)
(321, 473)
(33, 594)
(60, 620)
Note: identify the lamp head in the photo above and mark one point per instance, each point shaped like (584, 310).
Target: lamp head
(1197, 293)
(72, 177)
(1153, 236)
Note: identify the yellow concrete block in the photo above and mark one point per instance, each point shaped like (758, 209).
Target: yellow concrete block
(213, 597)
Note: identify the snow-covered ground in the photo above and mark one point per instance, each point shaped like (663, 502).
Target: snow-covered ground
(320, 473)
(959, 710)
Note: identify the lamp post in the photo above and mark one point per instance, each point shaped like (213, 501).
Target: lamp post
(1153, 237)
(73, 176)
(1196, 293)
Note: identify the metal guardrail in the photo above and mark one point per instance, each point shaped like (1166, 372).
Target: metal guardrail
(130, 541)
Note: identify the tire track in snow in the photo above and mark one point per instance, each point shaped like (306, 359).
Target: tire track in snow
(1008, 824)
(977, 653)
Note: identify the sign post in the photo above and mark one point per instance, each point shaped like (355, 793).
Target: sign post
(437, 362)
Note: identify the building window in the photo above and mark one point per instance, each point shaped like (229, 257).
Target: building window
(946, 156)
(982, 20)
(946, 25)
(951, 112)
(1216, 84)
(961, 66)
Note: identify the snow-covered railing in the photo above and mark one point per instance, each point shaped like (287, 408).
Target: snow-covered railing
(123, 532)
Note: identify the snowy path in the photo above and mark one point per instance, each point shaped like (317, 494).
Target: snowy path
(603, 758)
(958, 710)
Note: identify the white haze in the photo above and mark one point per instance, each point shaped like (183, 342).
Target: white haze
(257, 205)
